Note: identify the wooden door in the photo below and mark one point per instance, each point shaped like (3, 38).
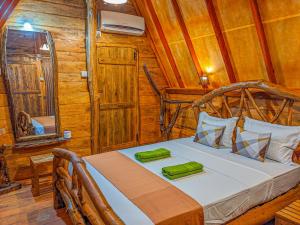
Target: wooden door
(117, 84)
(27, 89)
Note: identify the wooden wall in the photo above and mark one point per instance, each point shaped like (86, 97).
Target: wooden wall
(281, 21)
(66, 22)
(148, 101)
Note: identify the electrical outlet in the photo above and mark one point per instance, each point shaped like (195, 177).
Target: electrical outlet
(2, 131)
(84, 74)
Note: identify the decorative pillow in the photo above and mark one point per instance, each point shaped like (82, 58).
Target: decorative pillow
(252, 145)
(284, 140)
(229, 125)
(209, 135)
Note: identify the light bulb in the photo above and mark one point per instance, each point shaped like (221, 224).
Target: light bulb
(115, 1)
(27, 26)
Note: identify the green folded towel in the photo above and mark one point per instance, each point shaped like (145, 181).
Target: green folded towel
(148, 156)
(182, 170)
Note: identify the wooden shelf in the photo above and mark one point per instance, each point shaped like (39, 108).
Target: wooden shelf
(39, 143)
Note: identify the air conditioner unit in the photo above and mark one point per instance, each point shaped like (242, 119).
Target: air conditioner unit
(120, 23)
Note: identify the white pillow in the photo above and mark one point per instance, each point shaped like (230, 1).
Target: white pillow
(229, 125)
(284, 139)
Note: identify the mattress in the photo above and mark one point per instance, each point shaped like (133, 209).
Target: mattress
(229, 186)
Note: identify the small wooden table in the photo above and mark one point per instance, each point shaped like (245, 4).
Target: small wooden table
(290, 215)
(36, 163)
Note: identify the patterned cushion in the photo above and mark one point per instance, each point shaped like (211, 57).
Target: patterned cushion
(252, 145)
(209, 135)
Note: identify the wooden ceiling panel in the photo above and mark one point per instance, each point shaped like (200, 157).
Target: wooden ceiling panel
(233, 13)
(208, 52)
(168, 20)
(276, 9)
(283, 39)
(185, 64)
(246, 54)
(196, 17)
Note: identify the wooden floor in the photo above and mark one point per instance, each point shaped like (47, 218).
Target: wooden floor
(20, 207)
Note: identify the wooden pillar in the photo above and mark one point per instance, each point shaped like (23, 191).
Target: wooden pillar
(262, 40)
(187, 37)
(164, 42)
(221, 40)
(91, 68)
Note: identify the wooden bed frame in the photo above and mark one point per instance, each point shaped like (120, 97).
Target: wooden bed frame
(86, 204)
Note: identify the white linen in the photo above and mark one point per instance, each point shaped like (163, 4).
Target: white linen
(229, 186)
(229, 125)
(284, 139)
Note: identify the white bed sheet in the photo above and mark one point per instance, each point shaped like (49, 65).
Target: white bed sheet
(228, 187)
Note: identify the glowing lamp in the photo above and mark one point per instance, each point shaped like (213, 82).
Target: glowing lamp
(204, 81)
(115, 1)
(45, 47)
(27, 26)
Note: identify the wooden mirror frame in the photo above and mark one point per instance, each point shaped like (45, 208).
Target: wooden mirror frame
(38, 140)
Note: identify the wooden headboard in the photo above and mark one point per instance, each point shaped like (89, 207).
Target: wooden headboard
(256, 99)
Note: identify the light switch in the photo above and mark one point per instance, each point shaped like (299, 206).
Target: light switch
(84, 74)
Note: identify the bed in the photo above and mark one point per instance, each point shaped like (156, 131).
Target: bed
(232, 189)
(44, 125)
(40, 125)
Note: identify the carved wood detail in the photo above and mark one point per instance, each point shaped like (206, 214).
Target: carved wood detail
(245, 91)
(71, 181)
(165, 129)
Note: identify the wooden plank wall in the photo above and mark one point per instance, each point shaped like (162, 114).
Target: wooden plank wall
(281, 20)
(148, 101)
(66, 22)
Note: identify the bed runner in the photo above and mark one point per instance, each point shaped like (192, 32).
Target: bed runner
(162, 202)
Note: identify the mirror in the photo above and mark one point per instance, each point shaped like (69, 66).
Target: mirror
(29, 68)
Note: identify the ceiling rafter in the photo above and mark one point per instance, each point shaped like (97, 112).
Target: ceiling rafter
(262, 40)
(150, 38)
(6, 9)
(187, 37)
(221, 40)
(165, 43)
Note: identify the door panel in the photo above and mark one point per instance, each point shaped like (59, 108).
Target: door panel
(118, 99)
(25, 81)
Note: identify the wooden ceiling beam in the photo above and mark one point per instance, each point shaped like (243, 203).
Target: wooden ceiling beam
(187, 37)
(262, 40)
(221, 40)
(164, 43)
(139, 10)
(6, 9)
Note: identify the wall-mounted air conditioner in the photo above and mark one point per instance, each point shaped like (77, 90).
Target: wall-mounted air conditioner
(120, 23)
